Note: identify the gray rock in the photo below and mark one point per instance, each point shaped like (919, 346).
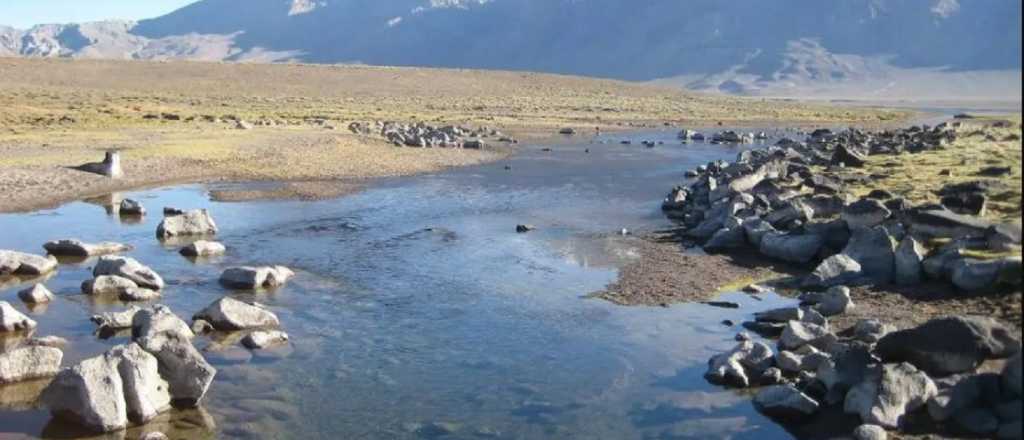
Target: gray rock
(131, 208)
(755, 229)
(195, 222)
(146, 394)
(261, 339)
(976, 422)
(791, 248)
(835, 301)
(203, 248)
(11, 320)
(1010, 431)
(1004, 237)
(116, 320)
(20, 263)
(247, 277)
(187, 373)
(791, 211)
(865, 213)
(90, 394)
(875, 251)
(814, 317)
(771, 376)
(888, 392)
(848, 156)
(124, 288)
(797, 334)
(129, 268)
(782, 315)
(843, 371)
(871, 330)
(77, 248)
(1012, 376)
(737, 365)
(785, 402)
(950, 345)
(835, 270)
(907, 262)
(870, 432)
(228, 314)
(151, 326)
(984, 275)
(726, 239)
(37, 294)
(943, 223)
(29, 362)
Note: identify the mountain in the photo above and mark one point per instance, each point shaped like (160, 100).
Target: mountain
(736, 46)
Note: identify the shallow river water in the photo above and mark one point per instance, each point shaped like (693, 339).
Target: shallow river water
(419, 312)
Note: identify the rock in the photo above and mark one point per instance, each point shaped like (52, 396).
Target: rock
(129, 268)
(116, 320)
(139, 294)
(814, 317)
(782, 315)
(734, 367)
(791, 248)
(950, 345)
(888, 392)
(146, 394)
(195, 222)
(835, 270)
(976, 422)
(871, 330)
(36, 294)
(771, 376)
(848, 156)
(835, 301)
(151, 326)
(1011, 411)
(156, 435)
(201, 327)
(755, 229)
(77, 248)
(907, 260)
(766, 329)
(247, 277)
(1004, 237)
(865, 213)
(20, 263)
(870, 432)
(792, 211)
(943, 223)
(132, 208)
(1012, 376)
(797, 334)
(966, 203)
(975, 275)
(754, 289)
(742, 336)
(11, 320)
(203, 248)
(725, 239)
(90, 394)
(843, 371)
(1010, 431)
(47, 341)
(875, 251)
(123, 288)
(260, 340)
(785, 402)
(187, 373)
(29, 362)
(228, 314)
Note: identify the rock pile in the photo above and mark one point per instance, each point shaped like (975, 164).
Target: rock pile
(422, 135)
(774, 201)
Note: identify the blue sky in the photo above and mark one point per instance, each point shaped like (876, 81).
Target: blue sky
(25, 13)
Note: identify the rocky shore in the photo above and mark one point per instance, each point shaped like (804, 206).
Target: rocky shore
(792, 203)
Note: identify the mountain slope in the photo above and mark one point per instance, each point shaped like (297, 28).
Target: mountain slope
(729, 46)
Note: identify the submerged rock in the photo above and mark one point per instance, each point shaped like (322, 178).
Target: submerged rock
(78, 248)
(228, 314)
(195, 222)
(37, 294)
(247, 277)
(259, 340)
(203, 248)
(870, 432)
(130, 268)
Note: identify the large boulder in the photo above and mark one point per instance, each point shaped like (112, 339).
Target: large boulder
(865, 213)
(785, 402)
(889, 392)
(950, 345)
(187, 373)
(29, 362)
(78, 248)
(90, 394)
(798, 334)
(907, 262)
(130, 268)
(11, 320)
(875, 250)
(833, 271)
(146, 394)
(1012, 376)
(229, 314)
(20, 263)
(247, 277)
(791, 248)
(195, 222)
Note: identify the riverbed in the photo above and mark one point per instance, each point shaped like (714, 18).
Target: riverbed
(418, 311)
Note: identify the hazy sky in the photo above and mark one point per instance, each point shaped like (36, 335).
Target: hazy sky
(25, 13)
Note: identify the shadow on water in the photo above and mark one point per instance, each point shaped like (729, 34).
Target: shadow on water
(419, 312)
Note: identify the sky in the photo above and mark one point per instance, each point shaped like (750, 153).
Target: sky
(25, 13)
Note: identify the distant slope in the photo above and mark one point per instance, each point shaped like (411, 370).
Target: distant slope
(736, 46)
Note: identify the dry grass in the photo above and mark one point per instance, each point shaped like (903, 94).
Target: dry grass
(916, 177)
(60, 113)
